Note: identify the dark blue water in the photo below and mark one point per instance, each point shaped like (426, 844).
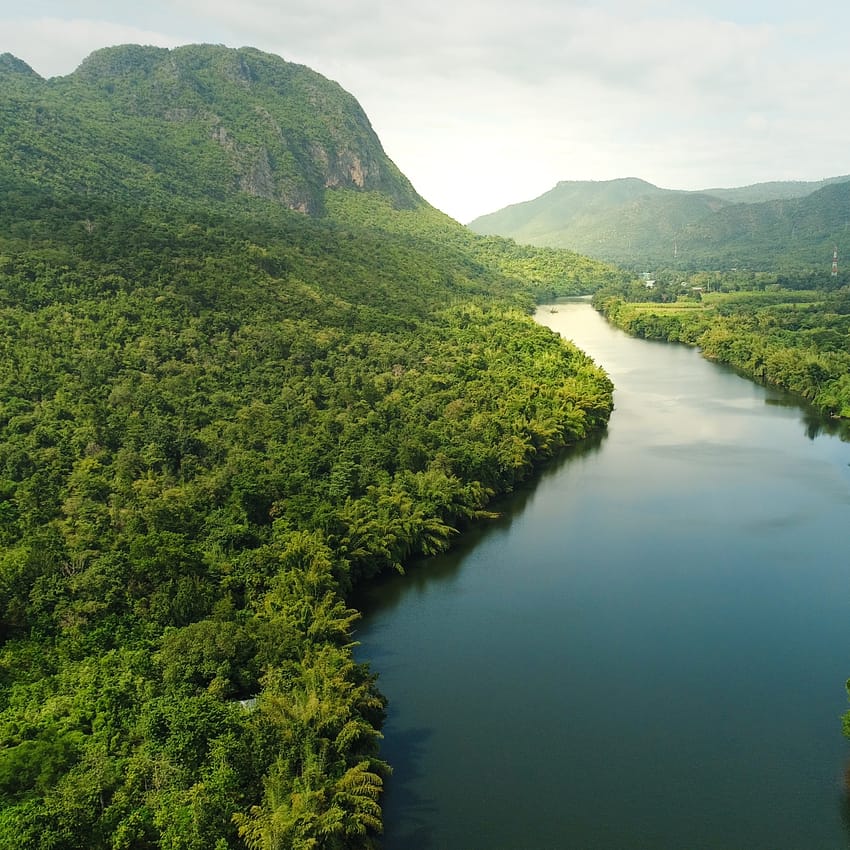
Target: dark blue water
(649, 648)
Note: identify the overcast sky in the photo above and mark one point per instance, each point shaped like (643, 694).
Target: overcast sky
(483, 103)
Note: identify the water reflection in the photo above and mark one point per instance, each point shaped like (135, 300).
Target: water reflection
(815, 426)
(647, 648)
(384, 593)
(844, 808)
(815, 423)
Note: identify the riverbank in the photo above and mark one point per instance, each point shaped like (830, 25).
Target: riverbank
(647, 649)
(792, 339)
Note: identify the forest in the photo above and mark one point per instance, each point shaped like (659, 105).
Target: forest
(219, 415)
(246, 368)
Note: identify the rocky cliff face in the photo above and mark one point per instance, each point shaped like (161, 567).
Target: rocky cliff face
(257, 125)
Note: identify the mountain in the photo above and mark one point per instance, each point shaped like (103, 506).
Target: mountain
(210, 125)
(599, 215)
(10, 65)
(636, 224)
(776, 190)
(797, 233)
(244, 368)
(198, 122)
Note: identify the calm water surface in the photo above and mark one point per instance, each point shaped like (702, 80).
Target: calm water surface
(649, 648)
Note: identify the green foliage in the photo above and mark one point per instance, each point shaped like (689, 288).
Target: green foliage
(787, 226)
(796, 339)
(547, 273)
(217, 415)
(198, 122)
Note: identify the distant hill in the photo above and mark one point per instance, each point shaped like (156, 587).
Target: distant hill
(637, 224)
(776, 190)
(787, 233)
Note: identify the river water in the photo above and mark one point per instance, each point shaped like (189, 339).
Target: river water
(649, 648)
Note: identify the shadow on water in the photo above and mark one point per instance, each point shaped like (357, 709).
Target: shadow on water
(817, 425)
(844, 804)
(814, 422)
(385, 592)
(406, 755)
(405, 749)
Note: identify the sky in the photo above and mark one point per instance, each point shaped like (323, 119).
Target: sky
(485, 103)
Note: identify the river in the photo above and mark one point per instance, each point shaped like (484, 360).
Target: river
(649, 648)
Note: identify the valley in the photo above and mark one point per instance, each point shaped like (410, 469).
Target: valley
(253, 386)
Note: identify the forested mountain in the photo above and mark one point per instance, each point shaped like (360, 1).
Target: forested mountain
(198, 122)
(795, 234)
(244, 367)
(775, 190)
(791, 225)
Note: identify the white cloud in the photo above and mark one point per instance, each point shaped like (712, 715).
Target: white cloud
(485, 103)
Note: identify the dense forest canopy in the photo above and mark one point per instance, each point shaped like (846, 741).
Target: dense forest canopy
(244, 367)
